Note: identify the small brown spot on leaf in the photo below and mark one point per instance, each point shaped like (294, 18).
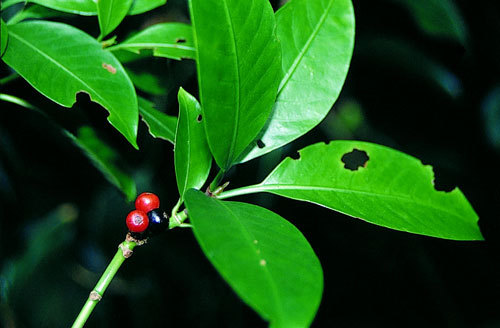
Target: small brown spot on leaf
(109, 68)
(355, 159)
(263, 262)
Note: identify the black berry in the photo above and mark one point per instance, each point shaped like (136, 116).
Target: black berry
(158, 222)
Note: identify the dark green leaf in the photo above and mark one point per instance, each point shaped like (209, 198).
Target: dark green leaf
(147, 82)
(317, 40)
(80, 7)
(60, 61)
(4, 37)
(391, 189)
(440, 18)
(160, 124)
(7, 3)
(104, 158)
(238, 62)
(169, 40)
(36, 12)
(263, 257)
(142, 6)
(191, 153)
(111, 13)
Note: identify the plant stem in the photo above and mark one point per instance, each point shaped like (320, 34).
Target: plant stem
(242, 191)
(124, 252)
(218, 178)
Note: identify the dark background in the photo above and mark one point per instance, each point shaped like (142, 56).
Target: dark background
(432, 96)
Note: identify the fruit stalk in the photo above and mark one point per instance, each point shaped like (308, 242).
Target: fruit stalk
(125, 251)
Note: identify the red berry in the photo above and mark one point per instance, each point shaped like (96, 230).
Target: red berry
(137, 221)
(147, 202)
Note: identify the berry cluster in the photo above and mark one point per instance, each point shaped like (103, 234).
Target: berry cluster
(147, 219)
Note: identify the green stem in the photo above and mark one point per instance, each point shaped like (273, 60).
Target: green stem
(218, 178)
(124, 251)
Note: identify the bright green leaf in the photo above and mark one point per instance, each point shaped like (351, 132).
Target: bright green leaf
(191, 153)
(392, 189)
(263, 257)
(60, 61)
(238, 64)
(36, 12)
(317, 40)
(169, 40)
(4, 37)
(111, 13)
(104, 158)
(142, 6)
(80, 7)
(440, 18)
(160, 124)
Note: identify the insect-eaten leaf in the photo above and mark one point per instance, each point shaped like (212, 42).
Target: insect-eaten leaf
(52, 59)
(251, 247)
(105, 160)
(169, 40)
(389, 188)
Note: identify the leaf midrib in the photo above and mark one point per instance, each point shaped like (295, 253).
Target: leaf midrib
(238, 96)
(272, 187)
(76, 77)
(304, 49)
(151, 45)
(248, 235)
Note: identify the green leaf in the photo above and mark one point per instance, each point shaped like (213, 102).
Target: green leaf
(104, 158)
(35, 12)
(147, 82)
(4, 37)
(263, 257)
(7, 3)
(238, 64)
(111, 13)
(142, 6)
(317, 40)
(169, 40)
(60, 61)
(160, 124)
(80, 7)
(191, 153)
(392, 189)
(439, 18)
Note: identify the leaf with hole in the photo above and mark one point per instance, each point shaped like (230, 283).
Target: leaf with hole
(192, 156)
(263, 257)
(169, 40)
(60, 61)
(160, 124)
(238, 64)
(390, 189)
(110, 14)
(105, 159)
(317, 40)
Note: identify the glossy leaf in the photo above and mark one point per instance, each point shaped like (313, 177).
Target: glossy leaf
(80, 7)
(439, 18)
(169, 40)
(238, 64)
(392, 189)
(36, 12)
(4, 37)
(263, 257)
(7, 3)
(192, 156)
(111, 13)
(104, 158)
(317, 40)
(60, 61)
(160, 124)
(142, 6)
